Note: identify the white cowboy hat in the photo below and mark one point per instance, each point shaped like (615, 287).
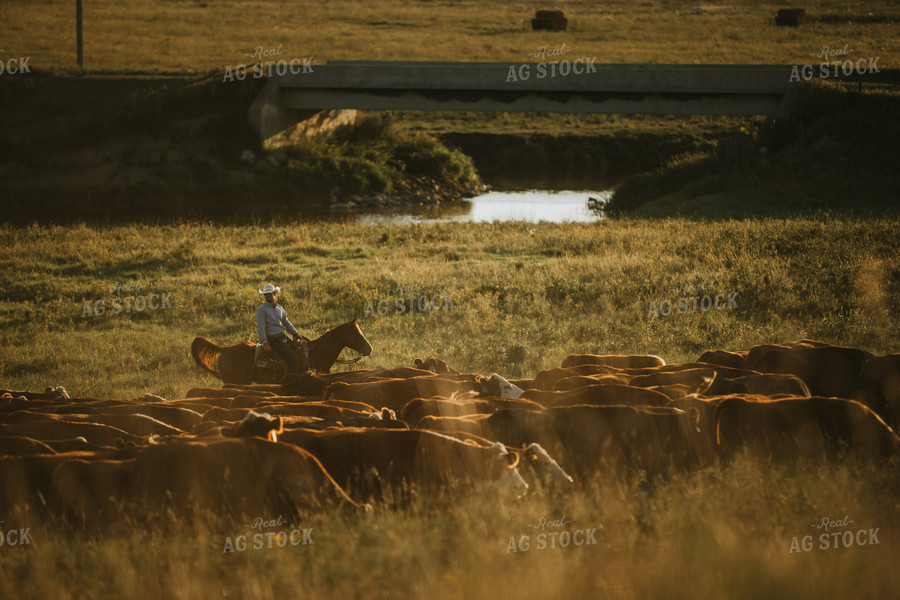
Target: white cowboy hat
(270, 289)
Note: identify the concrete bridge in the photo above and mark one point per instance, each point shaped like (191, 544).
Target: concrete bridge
(568, 85)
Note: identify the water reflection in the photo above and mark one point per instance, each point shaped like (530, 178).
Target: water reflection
(530, 206)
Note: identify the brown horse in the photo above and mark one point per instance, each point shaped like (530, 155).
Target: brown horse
(236, 363)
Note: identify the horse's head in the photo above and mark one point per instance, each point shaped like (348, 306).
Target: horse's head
(324, 350)
(357, 340)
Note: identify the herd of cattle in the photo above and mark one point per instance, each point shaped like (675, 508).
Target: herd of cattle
(389, 436)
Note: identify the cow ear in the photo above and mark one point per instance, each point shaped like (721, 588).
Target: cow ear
(695, 414)
(484, 383)
(705, 384)
(513, 457)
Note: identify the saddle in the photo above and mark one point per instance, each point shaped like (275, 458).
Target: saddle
(270, 363)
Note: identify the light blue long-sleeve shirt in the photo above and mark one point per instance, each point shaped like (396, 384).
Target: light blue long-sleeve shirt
(272, 320)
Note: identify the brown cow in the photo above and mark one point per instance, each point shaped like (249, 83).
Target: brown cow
(618, 361)
(239, 478)
(174, 416)
(539, 470)
(92, 491)
(45, 431)
(472, 424)
(724, 358)
(811, 429)
(880, 380)
(700, 378)
(222, 393)
(137, 425)
(826, 370)
(201, 404)
(394, 463)
(309, 384)
(548, 378)
(61, 485)
(435, 365)
(721, 372)
(21, 446)
(577, 381)
(524, 384)
(308, 409)
(598, 395)
(766, 384)
(368, 423)
(417, 408)
(592, 440)
(395, 393)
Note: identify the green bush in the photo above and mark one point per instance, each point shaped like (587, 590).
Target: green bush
(374, 157)
(427, 156)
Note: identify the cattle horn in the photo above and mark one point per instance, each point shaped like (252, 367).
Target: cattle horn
(513, 457)
(695, 413)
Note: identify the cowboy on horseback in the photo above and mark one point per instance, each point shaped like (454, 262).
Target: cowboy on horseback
(271, 324)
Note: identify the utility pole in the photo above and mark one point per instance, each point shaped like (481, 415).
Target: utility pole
(79, 41)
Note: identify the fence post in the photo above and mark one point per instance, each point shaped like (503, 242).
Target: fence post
(79, 42)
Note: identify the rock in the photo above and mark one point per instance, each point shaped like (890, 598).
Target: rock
(273, 161)
(248, 156)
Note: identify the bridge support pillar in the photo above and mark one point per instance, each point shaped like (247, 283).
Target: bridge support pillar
(788, 102)
(277, 126)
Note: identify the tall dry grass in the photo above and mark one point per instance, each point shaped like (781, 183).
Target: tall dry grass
(723, 532)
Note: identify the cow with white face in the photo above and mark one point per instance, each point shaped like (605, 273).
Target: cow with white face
(498, 386)
(547, 471)
(508, 481)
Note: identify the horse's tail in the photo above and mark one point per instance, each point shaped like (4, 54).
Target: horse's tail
(205, 353)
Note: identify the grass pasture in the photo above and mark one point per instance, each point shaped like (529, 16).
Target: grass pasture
(524, 296)
(116, 132)
(521, 296)
(723, 533)
(132, 35)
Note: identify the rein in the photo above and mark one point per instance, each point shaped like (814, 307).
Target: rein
(332, 342)
(348, 361)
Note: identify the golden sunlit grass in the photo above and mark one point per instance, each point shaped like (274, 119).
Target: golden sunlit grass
(721, 532)
(524, 295)
(198, 36)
